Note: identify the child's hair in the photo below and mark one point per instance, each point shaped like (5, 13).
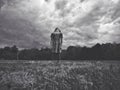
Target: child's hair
(57, 29)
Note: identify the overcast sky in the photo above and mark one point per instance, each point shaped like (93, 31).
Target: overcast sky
(29, 23)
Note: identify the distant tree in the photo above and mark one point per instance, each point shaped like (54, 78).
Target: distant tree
(71, 53)
(14, 49)
(97, 52)
(45, 54)
(85, 53)
(106, 51)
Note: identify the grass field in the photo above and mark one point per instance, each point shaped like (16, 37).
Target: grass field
(62, 75)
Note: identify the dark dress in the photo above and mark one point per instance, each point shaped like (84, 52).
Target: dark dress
(56, 42)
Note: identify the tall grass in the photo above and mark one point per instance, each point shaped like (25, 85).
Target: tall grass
(63, 75)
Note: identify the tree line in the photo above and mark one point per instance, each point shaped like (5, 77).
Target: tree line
(97, 52)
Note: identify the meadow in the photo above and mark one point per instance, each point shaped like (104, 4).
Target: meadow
(59, 75)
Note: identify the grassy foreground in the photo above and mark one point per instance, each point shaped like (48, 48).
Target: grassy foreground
(63, 75)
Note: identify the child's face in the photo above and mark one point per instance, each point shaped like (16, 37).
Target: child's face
(57, 30)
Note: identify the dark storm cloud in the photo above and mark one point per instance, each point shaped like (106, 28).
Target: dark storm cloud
(116, 12)
(82, 0)
(28, 23)
(60, 4)
(1, 3)
(20, 32)
(47, 0)
(92, 17)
